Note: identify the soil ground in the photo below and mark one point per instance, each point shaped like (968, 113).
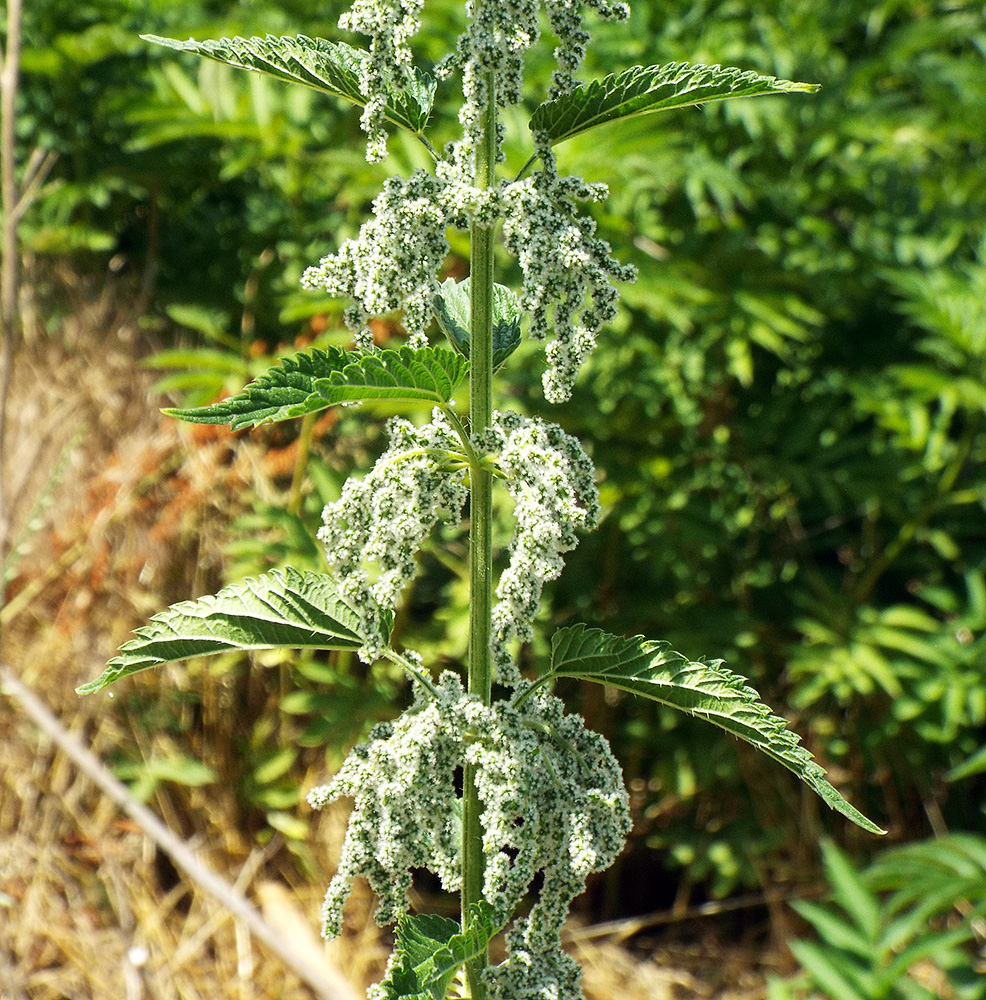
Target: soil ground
(126, 519)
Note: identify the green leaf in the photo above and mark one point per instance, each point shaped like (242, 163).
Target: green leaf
(332, 67)
(830, 970)
(317, 380)
(453, 309)
(834, 930)
(850, 892)
(706, 690)
(181, 770)
(286, 607)
(931, 944)
(430, 949)
(975, 764)
(643, 90)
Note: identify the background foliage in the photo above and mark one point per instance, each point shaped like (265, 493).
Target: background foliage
(787, 418)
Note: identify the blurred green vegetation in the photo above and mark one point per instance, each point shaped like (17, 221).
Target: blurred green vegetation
(787, 418)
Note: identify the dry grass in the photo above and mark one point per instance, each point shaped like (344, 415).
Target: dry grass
(89, 909)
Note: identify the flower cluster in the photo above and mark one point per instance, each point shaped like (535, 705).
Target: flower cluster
(565, 18)
(492, 47)
(490, 50)
(385, 516)
(390, 25)
(552, 482)
(394, 261)
(553, 802)
(564, 264)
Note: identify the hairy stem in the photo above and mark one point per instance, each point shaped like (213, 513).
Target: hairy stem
(481, 518)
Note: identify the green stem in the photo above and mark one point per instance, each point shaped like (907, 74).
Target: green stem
(423, 139)
(412, 671)
(453, 419)
(301, 463)
(481, 521)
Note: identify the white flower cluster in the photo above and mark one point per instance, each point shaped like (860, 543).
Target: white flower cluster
(390, 25)
(385, 516)
(566, 20)
(394, 261)
(494, 43)
(553, 802)
(564, 264)
(552, 482)
(493, 46)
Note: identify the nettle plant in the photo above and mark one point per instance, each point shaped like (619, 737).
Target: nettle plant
(509, 800)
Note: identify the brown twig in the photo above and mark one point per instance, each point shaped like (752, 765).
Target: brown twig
(326, 982)
(10, 62)
(625, 928)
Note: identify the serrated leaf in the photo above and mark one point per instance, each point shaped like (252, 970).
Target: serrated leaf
(286, 608)
(316, 380)
(706, 690)
(644, 90)
(453, 310)
(430, 949)
(332, 67)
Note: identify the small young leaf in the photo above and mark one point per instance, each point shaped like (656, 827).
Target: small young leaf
(332, 67)
(317, 380)
(453, 310)
(286, 607)
(430, 949)
(643, 90)
(706, 690)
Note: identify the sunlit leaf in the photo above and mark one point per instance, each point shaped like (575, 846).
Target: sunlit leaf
(644, 90)
(430, 949)
(316, 380)
(282, 608)
(707, 690)
(332, 67)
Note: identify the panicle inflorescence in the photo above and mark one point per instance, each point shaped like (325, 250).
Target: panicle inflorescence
(385, 516)
(553, 802)
(552, 482)
(566, 20)
(390, 25)
(393, 263)
(568, 271)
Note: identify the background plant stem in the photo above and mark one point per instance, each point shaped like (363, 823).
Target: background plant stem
(481, 519)
(9, 249)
